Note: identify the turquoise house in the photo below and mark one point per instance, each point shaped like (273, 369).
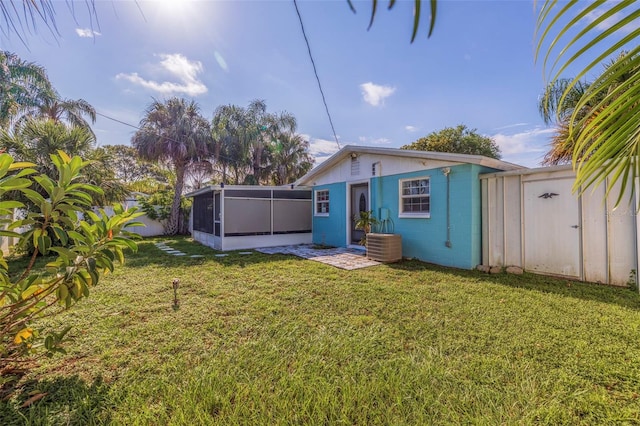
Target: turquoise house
(432, 199)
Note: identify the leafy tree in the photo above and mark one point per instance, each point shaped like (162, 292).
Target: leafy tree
(459, 140)
(92, 246)
(175, 132)
(134, 172)
(22, 84)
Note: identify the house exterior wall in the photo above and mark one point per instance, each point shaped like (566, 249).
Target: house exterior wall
(586, 237)
(422, 238)
(331, 229)
(426, 238)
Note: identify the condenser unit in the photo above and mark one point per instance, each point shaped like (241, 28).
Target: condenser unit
(384, 247)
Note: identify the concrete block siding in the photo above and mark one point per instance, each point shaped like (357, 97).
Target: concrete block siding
(425, 238)
(331, 230)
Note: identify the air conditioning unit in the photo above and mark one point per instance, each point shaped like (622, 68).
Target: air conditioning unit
(384, 247)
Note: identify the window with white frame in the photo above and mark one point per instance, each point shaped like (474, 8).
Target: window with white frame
(322, 202)
(415, 198)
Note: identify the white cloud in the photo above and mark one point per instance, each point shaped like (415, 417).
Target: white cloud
(526, 148)
(411, 128)
(87, 32)
(321, 149)
(375, 94)
(613, 19)
(509, 126)
(381, 141)
(178, 67)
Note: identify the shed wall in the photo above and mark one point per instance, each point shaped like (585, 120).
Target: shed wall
(582, 237)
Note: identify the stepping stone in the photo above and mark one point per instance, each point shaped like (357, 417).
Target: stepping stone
(179, 254)
(173, 251)
(221, 255)
(165, 248)
(246, 252)
(195, 256)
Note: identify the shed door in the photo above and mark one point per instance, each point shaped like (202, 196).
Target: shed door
(551, 228)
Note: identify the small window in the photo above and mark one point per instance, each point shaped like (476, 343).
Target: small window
(322, 202)
(415, 199)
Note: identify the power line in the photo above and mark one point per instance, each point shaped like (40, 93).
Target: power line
(315, 71)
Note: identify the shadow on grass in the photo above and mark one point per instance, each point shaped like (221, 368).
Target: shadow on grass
(620, 296)
(68, 400)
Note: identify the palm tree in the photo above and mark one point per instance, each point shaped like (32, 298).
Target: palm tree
(290, 158)
(603, 123)
(274, 130)
(231, 149)
(35, 140)
(558, 105)
(21, 85)
(174, 131)
(50, 105)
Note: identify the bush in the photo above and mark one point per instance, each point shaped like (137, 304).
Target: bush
(90, 244)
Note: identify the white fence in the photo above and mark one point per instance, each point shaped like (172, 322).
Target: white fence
(531, 219)
(153, 228)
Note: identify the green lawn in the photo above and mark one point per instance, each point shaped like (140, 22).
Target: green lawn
(262, 339)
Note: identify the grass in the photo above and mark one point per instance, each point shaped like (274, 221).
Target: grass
(274, 339)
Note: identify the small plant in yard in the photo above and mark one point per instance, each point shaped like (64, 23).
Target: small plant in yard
(91, 243)
(365, 221)
(632, 282)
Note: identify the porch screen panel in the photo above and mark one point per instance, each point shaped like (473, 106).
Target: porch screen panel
(291, 216)
(216, 214)
(246, 217)
(203, 213)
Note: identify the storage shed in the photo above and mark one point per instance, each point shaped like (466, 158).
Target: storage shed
(531, 219)
(232, 217)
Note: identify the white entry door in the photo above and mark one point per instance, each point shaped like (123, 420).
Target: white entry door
(551, 228)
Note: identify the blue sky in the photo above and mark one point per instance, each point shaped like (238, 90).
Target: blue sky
(477, 69)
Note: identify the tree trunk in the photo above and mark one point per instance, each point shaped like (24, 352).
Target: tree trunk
(174, 216)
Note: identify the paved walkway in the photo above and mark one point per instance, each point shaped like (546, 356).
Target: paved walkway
(343, 258)
(165, 248)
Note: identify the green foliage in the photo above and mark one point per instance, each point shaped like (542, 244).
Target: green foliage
(459, 140)
(605, 127)
(253, 146)
(277, 340)
(157, 206)
(365, 221)
(174, 132)
(417, 14)
(92, 243)
(22, 83)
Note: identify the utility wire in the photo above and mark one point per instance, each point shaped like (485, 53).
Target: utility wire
(315, 71)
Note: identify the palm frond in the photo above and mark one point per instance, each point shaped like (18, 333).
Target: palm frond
(609, 127)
